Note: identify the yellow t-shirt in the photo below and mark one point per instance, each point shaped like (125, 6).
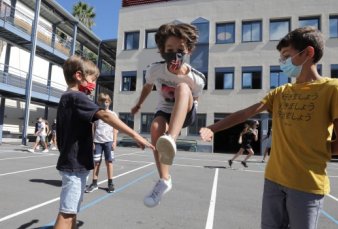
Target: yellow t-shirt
(302, 116)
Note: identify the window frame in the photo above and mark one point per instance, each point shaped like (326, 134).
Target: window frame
(331, 18)
(222, 71)
(310, 18)
(147, 37)
(244, 23)
(252, 69)
(127, 118)
(132, 75)
(126, 34)
(193, 129)
(225, 24)
(276, 69)
(288, 20)
(149, 119)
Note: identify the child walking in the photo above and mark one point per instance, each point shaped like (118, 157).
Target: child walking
(75, 115)
(304, 115)
(105, 137)
(179, 86)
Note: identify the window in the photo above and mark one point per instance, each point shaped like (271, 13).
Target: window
(334, 70)
(129, 81)
(251, 77)
(252, 31)
(203, 30)
(309, 21)
(225, 33)
(277, 77)
(144, 80)
(200, 122)
(278, 29)
(128, 119)
(224, 78)
(150, 39)
(333, 26)
(131, 40)
(146, 119)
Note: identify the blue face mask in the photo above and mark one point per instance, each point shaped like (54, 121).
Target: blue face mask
(289, 68)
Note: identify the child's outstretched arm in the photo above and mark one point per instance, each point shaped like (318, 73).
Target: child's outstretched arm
(115, 122)
(240, 116)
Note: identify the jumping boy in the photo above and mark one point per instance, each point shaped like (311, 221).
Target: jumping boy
(75, 115)
(105, 137)
(179, 86)
(304, 114)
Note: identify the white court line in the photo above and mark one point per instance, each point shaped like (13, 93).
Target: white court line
(13, 158)
(27, 170)
(335, 198)
(211, 213)
(56, 199)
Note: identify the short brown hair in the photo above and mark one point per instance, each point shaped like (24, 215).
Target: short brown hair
(187, 32)
(103, 97)
(303, 37)
(77, 63)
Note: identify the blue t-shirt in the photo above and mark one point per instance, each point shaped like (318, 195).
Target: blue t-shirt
(75, 115)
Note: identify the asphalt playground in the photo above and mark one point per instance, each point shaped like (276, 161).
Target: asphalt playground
(206, 193)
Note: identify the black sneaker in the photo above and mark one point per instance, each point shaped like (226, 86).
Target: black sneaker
(244, 164)
(230, 162)
(91, 188)
(110, 188)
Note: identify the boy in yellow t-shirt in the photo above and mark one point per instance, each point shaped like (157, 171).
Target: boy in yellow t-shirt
(304, 114)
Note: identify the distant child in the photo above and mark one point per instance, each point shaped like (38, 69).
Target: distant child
(268, 139)
(75, 115)
(40, 136)
(53, 134)
(247, 136)
(304, 115)
(105, 137)
(179, 86)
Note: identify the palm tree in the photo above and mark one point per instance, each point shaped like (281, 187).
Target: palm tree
(84, 13)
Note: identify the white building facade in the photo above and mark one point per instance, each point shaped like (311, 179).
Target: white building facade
(236, 51)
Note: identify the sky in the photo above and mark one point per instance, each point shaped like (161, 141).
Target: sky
(107, 15)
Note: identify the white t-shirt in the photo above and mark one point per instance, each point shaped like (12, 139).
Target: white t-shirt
(42, 129)
(166, 83)
(103, 131)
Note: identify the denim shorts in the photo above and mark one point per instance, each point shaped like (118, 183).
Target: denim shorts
(105, 148)
(73, 186)
(289, 208)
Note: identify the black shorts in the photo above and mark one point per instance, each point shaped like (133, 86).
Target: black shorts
(189, 119)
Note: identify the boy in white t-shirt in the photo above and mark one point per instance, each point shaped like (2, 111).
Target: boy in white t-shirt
(40, 136)
(179, 86)
(105, 137)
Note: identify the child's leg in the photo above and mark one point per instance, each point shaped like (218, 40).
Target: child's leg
(183, 104)
(251, 152)
(65, 221)
(158, 127)
(239, 153)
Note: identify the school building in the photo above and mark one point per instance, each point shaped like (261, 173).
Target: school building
(236, 51)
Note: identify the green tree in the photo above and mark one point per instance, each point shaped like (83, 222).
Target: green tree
(84, 13)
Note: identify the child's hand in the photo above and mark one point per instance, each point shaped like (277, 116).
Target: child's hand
(206, 134)
(143, 143)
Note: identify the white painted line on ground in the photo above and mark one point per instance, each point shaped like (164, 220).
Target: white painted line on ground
(27, 170)
(211, 213)
(335, 198)
(56, 199)
(13, 158)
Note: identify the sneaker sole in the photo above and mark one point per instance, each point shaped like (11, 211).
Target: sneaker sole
(166, 151)
(89, 191)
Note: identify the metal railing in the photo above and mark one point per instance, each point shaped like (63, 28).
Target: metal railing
(17, 78)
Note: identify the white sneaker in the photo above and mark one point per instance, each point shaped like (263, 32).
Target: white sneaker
(31, 150)
(162, 187)
(38, 147)
(45, 151)
(166, 147)
(54, 148)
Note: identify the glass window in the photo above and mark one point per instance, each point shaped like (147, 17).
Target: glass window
(278, 29)
(252, 78)
(252, 31)
(225, 33)
(309, 21)
(131, 40)
(277, 77)
(333, 26)
(224, 78)
(150, 39)
(334, 70)
(200, 122)
(129, 81)
(128, 119)
(203, 31)
(146, 119)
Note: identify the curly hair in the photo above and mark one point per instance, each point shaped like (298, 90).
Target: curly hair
(303, 37)
(187, 32)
